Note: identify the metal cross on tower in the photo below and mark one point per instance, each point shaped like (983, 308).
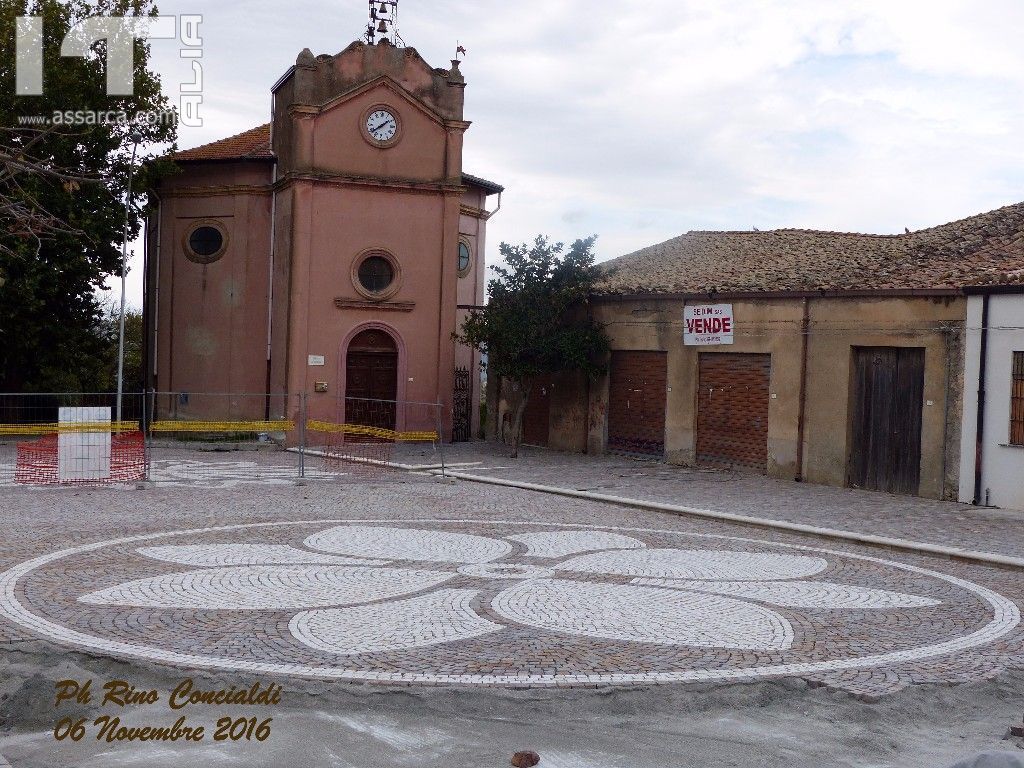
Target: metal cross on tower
(383, 24)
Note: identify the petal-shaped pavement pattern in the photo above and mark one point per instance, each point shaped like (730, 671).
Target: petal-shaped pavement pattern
(801, 594)
(644, 614)
(706, 565)
(408, 544)
(438, 617)
(246, 554)
(268, 587)
(564, 543)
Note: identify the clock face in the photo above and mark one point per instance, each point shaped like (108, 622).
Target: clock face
(382, 125)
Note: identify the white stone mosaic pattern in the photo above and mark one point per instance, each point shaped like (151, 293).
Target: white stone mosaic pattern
(644, 615)
(505, 571)
(439, 617)
(212, 555)
(267, 587)
(408, 544)
(564, 543)
(526, 653)
(801, 594)
(696, 564)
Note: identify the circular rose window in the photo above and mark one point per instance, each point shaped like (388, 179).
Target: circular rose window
(205, 244)
(376, 274)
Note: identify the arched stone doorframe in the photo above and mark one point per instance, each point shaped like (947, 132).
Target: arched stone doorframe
(401, 366)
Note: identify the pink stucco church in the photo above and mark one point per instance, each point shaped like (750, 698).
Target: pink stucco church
(332, 251)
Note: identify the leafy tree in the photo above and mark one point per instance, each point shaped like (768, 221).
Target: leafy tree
(537, 318)
(133, 341)
(62, 191)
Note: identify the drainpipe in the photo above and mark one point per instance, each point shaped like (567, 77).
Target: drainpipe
(979, 448)
(805, 325)
(270, 289)
(155, 339)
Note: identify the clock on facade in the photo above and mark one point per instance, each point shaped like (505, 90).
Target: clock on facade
(382, 126)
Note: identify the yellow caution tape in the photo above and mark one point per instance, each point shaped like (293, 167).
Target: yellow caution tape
(69, 427)
(222, 426)
(361, 430)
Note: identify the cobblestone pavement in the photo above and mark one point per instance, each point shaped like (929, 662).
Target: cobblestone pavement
(414, 581)
(880, 514)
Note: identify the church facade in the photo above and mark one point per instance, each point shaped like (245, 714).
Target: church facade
(333, 251)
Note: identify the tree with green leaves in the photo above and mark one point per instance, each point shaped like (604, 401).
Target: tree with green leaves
(537, 320)
(62, 196)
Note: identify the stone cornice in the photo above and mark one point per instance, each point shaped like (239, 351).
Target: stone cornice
(345, 180)
(378, 306)
(476, 213)
(218, 191)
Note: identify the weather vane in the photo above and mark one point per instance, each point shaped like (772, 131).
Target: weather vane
(383, 24)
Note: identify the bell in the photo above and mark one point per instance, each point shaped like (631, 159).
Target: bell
(383, 26)
(383, 9)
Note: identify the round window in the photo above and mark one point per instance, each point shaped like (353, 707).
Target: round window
(376, 274)
(464, 257)
(206, 242)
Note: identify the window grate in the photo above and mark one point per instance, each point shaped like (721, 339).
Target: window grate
(1017, 400)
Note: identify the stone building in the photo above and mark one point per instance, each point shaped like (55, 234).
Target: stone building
(327, 251)
(829, 357)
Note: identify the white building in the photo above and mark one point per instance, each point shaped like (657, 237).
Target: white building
(994, 366)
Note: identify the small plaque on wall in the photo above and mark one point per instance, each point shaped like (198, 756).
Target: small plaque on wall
(320, 387)
(317, 360)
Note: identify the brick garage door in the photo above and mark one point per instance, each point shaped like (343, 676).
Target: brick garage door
(732, 409)
(636, 402)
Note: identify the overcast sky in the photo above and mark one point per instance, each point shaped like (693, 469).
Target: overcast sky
(638, 120)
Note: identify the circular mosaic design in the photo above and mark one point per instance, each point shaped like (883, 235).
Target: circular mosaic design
(495, 602)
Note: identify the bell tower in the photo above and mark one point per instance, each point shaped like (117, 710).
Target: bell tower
(383, 24)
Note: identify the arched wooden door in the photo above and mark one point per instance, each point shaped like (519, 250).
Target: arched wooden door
(371, 379)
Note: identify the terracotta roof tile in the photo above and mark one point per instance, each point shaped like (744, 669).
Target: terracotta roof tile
(253, 144)
(980, 250)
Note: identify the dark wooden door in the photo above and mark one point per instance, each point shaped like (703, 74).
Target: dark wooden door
(732, 409)
(637, 390)
(371, 380)
(537, 417)
(885, 449)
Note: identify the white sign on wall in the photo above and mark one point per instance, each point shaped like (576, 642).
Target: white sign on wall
(317, 360)
(708, 324)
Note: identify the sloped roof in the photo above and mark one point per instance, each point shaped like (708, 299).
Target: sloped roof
(253, 144)
(979, 250)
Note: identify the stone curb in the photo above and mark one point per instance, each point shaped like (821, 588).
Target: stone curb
(953, 553)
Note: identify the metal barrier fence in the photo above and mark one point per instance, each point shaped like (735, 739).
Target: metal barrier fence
(209, 439)
(73, 438)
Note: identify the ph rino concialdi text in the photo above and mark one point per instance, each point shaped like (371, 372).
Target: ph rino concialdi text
(118, 695)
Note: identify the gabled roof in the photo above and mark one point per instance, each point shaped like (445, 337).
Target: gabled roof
(253, 144)
(980, 250)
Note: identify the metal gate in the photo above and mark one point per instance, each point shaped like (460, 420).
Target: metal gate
(462, 406)
(885, 452)
(732, 409)
(637, 391)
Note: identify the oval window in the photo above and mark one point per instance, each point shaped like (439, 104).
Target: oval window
(376, 274)
(464, 257)
(206, 242)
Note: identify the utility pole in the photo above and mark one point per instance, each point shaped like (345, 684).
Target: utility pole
(124, 274)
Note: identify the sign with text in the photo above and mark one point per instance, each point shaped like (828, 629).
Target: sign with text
(708, 324)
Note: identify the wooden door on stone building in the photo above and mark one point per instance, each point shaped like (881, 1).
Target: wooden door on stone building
(885, 446)
(371, 380)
